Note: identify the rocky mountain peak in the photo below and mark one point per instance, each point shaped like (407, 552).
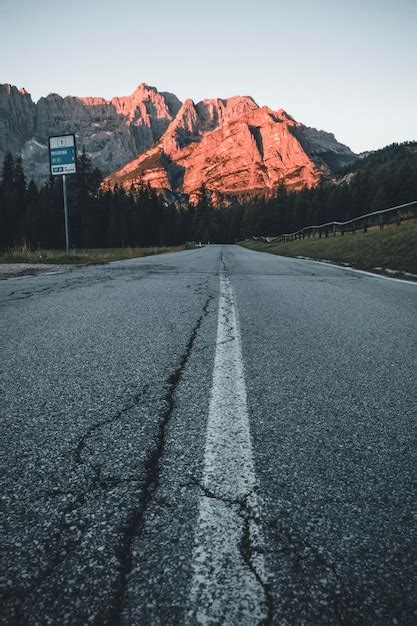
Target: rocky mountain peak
(230, 147)
(17, 118)
(145, 88)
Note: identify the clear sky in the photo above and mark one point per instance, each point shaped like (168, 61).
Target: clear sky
(348, 67)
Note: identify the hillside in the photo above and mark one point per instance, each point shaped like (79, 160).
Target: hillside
(385, 178)
(396, 152)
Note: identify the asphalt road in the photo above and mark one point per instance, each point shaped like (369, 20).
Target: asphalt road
(215, 436)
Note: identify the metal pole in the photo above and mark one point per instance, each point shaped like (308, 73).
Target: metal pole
(64, 187)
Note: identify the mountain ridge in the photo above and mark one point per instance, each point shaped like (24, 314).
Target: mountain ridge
(217, 143)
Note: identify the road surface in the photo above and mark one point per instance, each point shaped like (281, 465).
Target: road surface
(216, 436)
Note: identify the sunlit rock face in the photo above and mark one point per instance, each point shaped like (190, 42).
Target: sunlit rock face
(229, 146)
(253, 152)
(234, 147)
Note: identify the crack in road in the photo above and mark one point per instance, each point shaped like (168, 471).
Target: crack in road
(152, 465)
(82, 442)
(68, 284)
(246, 545)
(247, 551)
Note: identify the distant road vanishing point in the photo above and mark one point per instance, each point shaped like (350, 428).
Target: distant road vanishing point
(215, 436)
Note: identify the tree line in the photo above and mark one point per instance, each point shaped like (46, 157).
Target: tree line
(101, 217)
(140, 216)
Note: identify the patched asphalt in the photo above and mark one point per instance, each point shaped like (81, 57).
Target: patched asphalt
(106, 382)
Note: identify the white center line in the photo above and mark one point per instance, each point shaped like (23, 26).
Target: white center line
(229, 584)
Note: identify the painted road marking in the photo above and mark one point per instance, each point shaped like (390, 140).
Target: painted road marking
(229, 583)
(404, 281)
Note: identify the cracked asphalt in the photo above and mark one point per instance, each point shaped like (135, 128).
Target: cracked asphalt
(106, 380)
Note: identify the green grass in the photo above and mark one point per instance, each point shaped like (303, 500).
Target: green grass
(24, 254)
(393, 248)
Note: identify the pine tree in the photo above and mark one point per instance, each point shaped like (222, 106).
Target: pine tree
(379, 201)
(19, 182)
(7, 199)
(31, 214)
(203, 219)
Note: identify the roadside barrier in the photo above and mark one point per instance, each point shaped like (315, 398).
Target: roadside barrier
(396, 214)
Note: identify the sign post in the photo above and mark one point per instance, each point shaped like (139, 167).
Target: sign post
(63, 161)
(64, 187)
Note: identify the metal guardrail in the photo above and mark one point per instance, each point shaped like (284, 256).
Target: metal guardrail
(400, 213)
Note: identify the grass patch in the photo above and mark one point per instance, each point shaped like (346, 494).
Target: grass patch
(24, 254)
(393, 248)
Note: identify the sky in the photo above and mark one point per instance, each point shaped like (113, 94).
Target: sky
(348, 67)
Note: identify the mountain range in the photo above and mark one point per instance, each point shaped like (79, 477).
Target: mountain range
(229, 146)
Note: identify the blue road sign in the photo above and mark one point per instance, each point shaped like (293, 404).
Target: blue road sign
(62, 155)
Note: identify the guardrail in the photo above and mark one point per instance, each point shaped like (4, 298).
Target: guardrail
(395, 214)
